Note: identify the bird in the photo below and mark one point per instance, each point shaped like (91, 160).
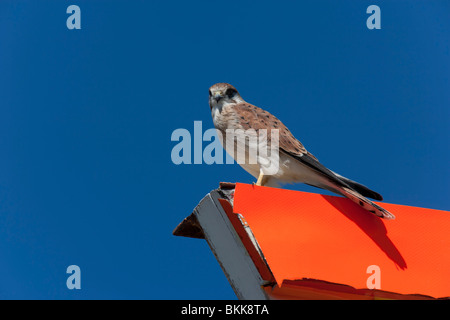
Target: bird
(231, 113)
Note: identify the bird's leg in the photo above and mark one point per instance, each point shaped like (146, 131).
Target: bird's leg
(262, 179)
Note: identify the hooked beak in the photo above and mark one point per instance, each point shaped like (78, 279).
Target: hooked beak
(217, 95)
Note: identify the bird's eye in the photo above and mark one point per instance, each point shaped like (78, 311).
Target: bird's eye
(230, 92)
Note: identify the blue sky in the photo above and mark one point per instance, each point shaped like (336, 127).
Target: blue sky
(86, 118)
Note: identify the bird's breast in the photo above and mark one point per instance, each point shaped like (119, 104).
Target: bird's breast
(225, 118)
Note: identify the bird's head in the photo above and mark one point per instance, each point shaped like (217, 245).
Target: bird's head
(223, 93)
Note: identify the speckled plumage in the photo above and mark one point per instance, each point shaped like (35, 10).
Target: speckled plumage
(295, 164)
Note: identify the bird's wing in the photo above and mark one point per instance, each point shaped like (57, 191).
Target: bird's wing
(346, 187)
(252, 117)
(308, 159)
(362, 189)
(315, 165)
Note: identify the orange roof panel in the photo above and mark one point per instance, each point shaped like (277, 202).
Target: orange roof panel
(328, 238)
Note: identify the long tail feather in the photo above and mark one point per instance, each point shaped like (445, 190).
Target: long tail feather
(366, 203)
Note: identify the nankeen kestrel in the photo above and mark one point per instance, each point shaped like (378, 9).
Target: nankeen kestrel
(295, 164)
